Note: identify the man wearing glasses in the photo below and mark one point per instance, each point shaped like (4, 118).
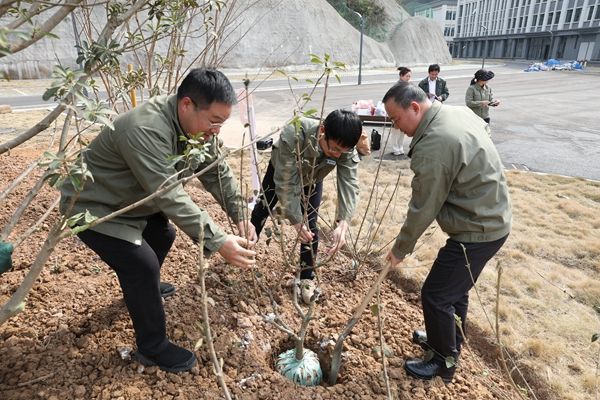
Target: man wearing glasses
(304, 155)
(131, 162)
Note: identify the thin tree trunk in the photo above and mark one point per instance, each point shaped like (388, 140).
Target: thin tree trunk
(31, 132)
(337, 350)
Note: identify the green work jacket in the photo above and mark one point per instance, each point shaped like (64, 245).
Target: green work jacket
(132, 161)
(475, 94)
(301, 147)
(458, 180)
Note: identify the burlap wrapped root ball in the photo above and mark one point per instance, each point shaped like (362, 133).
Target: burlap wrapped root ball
(305, 372)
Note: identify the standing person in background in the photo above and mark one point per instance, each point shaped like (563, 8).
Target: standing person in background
(397, 134)
(479, 96)
(434, 86)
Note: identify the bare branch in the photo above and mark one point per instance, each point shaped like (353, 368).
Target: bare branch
(45, 28)
(31, 132)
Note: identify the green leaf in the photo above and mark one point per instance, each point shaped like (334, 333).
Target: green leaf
(310, 112)
(88, 218)
(337, 78)
(72, 221)
(375, 309)
(79, 228)
(450, 362)
(315, 59)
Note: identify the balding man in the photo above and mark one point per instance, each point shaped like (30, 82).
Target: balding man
(458, 181)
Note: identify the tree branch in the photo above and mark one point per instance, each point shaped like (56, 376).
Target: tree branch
(45, 28)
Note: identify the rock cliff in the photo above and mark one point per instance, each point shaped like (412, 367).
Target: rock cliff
(271, 33)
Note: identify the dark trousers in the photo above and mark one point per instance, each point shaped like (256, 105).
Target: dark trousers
(268, 200)
(138, 271)
(446, 292)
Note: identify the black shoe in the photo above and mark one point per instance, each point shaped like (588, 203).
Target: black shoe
(166, 290)
(172, 359)
(429, 369)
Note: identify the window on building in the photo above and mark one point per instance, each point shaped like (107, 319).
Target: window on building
(452, 31)
(520, 22)
(577, 14)
(460, 11)
(534, 20)
(550, 16)
(557, 17)
(597, 13)
(590, 13)
(448, 15)
(569, 16)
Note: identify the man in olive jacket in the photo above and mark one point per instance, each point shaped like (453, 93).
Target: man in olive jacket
(458, 181)
(131, 162)
(300, 160)
(434, 86)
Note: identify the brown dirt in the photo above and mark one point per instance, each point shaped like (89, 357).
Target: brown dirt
(65, 343)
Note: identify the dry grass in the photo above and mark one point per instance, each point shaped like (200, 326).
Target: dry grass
(550, 292)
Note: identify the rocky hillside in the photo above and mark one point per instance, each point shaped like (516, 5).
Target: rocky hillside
(272, 33)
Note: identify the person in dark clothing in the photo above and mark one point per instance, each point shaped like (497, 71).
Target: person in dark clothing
(434, 86)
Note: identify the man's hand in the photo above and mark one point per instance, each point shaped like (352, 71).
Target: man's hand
(304, 234)
(391, 258)
(234, 252)
(339, 238)
(247, 231)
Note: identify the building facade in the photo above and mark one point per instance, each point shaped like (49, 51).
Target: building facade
(528, 29)
(443, 12)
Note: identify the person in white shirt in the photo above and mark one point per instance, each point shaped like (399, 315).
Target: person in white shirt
(434, 86)
(397, 135)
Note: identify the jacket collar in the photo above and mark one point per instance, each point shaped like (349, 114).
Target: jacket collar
(435, 108)
(172, 110)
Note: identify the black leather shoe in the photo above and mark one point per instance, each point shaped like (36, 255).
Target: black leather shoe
(166, 289)
(427, 370)
(172, 359)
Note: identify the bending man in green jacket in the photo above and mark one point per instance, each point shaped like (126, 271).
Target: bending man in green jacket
(458, 181)
(300, 160)
(130, 163)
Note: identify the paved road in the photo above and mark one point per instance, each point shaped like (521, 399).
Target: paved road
(547, 122)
